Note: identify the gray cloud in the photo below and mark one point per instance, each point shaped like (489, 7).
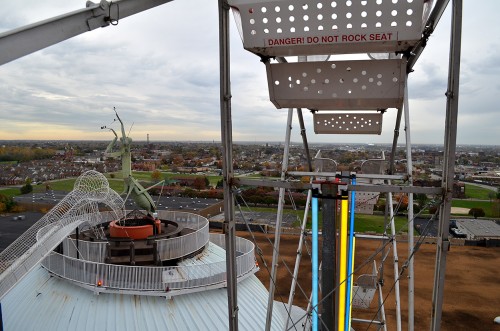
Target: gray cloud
(160, 69)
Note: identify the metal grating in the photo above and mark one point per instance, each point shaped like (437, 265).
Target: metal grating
(342, 85)
(365, 288)
(297, 27)
(348, 123)
(362, 297)
(375, 166)
(365, 201)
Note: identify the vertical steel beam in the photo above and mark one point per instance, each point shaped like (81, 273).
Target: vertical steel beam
(395, 141)
(409, 169)
(396, 262)
(392, 160)
(304, 138)
(450, 139)
(299, 255)
(350, 256)
(227, 164)
(279, 218)
(329, 255)
(315, 266)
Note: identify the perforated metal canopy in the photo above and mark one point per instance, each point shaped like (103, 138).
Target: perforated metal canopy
(337, 85)
(348, 123)
(296, 27)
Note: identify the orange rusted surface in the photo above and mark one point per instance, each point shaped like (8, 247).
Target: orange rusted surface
(133, 232)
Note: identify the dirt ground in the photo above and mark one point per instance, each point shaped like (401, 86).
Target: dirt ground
(472, 286)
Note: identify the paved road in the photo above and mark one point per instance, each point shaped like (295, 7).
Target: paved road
(11, 228)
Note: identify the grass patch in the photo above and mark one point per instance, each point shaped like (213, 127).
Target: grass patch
(10, 192)
(213, 179)
(362, 223)
(146, 176)
(139, 175)
(65, 185)
(116, 184)
(477, 192)
(485, 205)
(375, 223)
(273, 210)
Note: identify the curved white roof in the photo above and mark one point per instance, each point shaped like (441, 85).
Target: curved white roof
(43, 302)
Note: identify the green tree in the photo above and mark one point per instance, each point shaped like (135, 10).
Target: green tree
(6, 203)
(27, 188)
(268, 200)
(156, 176)
(421, 199)
(477, 212)
(255, 199)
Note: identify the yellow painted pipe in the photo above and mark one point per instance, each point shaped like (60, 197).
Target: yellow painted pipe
(343, 262)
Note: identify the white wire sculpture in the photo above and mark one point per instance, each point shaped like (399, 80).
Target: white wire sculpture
(78, 207)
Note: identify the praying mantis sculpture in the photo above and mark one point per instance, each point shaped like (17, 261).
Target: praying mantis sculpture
(132, 187)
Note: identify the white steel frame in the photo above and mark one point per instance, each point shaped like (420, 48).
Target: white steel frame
(20, 42)
(242, 6)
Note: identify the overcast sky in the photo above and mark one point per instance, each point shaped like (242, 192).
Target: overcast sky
(160, 69)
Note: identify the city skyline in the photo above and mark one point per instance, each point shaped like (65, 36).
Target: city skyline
(160, 69)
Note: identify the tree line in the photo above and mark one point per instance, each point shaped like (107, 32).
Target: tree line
(21, 154)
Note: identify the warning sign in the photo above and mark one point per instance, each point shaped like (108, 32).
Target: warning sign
(344, 38)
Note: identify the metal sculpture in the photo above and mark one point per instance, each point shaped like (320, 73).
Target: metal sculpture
(132, 186)
(78, 207)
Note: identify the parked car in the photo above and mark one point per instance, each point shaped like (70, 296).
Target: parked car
(456, 232)
(453, 224)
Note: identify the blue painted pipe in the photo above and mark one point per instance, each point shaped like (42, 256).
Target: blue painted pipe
(350, 259)
(315, 264)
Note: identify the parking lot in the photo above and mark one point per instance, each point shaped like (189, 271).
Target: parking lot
(12, 226)
(474, 229)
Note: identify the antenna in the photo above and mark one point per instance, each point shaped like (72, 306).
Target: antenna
(130, 129)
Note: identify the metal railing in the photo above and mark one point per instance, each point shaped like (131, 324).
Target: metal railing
(143, 280)
(94, 251)
(177, 247)
(168, 248)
